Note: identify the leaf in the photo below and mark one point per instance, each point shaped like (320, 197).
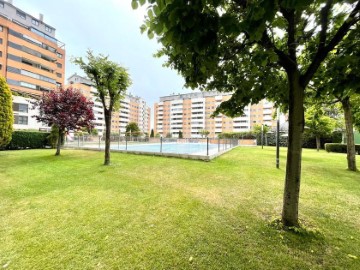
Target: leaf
(134, 4)
(150, 34)
(142, 2)
(352, 256)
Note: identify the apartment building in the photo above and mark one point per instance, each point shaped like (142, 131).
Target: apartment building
(31, 58)
(191, 113)
(132, 108)
(23, 115)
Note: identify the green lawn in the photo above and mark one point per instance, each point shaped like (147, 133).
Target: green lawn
(144, 212)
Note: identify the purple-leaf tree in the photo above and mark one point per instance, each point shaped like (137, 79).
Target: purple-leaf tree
(67, 109)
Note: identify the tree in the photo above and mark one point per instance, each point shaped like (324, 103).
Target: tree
(6, 113)
(338, 81)
(317, 124)
(111, 81)
(152, 133)
(253, 49)
(132, 129)
(204, 133)
(180, 134)
(66, 109)
(257, 129)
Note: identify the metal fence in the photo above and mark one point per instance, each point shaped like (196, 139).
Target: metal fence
(188, 146)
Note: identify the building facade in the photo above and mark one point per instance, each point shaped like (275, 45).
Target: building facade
(31, 59)
(191, 113)
(24, 111)
(132, 108)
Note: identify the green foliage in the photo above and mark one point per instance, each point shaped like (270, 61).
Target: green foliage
(152, 133)
(110, 79)
(168, 135)
(340, 148)
(355, 101)
(6, 113)
(133, 129)
(54, 136)
(28, 140)
(237, 135)
(157, 135)
(180, 134)
(204, 133)
(257, 129)
(318, 124)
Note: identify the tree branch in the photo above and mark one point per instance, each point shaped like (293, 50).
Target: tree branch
(284, 60)
(289, 15)
(322, 53)
(324, 19)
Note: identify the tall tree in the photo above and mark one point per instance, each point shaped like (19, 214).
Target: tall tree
(318, 124)
(152, 133)
(246, 47)
(204, 133)
(133, 129)
(6, 113)
(111, 81)
(66, 109)
(338, 80)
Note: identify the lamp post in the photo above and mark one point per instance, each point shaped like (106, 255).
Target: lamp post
(278, 139)
(262, 136)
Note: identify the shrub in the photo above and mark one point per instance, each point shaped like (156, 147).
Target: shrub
(6, 113)
(237, 135)
(340, 148)
(28, 139)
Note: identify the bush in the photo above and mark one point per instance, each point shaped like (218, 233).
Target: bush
(340, 148)
(308, 141)
(6, 113)
(237, 135)
(28, 139)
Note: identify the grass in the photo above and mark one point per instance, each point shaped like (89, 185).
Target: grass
(144, 212)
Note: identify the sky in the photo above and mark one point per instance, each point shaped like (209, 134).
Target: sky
(109, 27)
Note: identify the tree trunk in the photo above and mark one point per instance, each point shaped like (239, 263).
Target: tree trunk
(351, 159)
(293, 165)
(107, 136)
(58, 143)
(318, 143)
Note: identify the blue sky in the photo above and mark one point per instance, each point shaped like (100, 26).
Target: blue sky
(109, 27)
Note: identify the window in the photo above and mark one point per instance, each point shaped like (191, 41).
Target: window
(59, 65)
(18, 107)
(21, 120)
(48, 29)
(59, 55)
(59, 75)
(0, 53)
(35, 22)
(21, 14)
(1, 41)
(1, 5)
(1, 28)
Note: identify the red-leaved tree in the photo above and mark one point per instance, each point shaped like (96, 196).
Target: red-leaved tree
(67, 109)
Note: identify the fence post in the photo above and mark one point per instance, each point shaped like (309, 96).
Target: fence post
(125, 142)
(119, 142)
(78, 140)
(207, 146)
(218, 144)
(99, 142)
(160, 144)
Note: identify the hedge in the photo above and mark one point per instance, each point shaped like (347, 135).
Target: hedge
(28, 140)
(308, 142)
(340, 148)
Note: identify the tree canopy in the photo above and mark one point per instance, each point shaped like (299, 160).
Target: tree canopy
(133, 129)
(67, 109)
(6, 113)
(254, 49)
